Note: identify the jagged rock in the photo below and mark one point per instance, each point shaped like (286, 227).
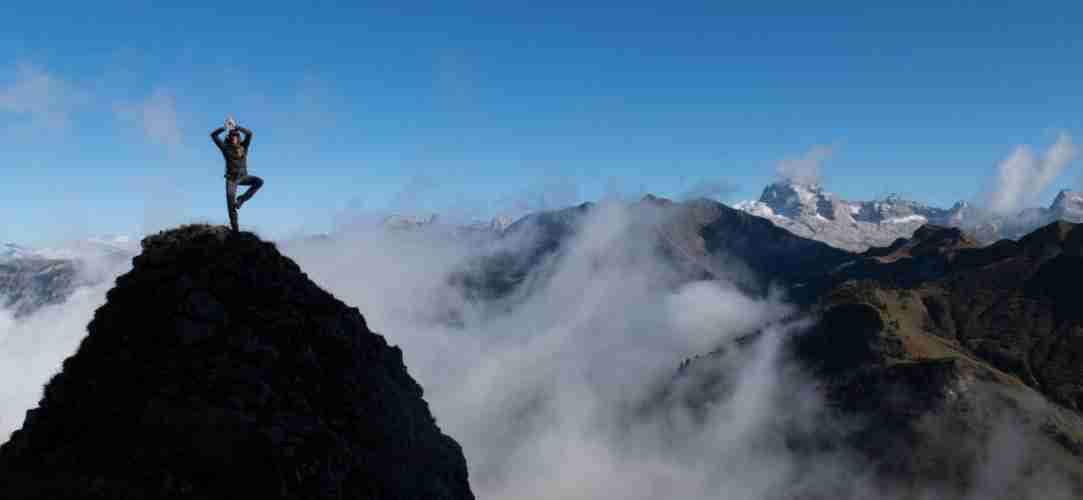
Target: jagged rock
(217, 369)
(808, 211)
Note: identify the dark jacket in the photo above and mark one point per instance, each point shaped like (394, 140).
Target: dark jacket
(236, 156)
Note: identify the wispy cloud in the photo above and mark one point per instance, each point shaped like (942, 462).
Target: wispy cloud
(806, 168)
(156, 116)
(40, 100)
(709, 188)
(1022, 177)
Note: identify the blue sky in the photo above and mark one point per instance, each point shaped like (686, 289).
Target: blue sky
(491, 107)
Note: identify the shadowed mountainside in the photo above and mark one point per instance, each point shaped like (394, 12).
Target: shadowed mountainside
(932, 354)
(700, 239)
(217, 369)
(1013, 304)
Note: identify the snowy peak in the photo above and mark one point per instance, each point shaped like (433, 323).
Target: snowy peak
(408, 221)
(497, 224)
(11, 251)
(793, 200)
(808, 210)
(98, 247)
(1068, 205)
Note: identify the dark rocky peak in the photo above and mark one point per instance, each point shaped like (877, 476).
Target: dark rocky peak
(1052, 239)
(217, 369)
(792, 199)
(930, 239)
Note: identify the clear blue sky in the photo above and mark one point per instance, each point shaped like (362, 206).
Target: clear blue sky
(105, 107)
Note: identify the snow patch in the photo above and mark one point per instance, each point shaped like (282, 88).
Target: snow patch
(906, 220)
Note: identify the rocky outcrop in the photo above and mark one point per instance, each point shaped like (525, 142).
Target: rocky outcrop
(217, 369)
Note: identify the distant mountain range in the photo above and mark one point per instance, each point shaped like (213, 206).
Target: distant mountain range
(496, 224)
(808, 210)
(33, 278)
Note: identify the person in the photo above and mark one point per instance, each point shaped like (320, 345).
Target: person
(235, 152)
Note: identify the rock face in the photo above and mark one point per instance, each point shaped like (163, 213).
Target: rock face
(216, 369)
(811, 212)
(1010, 304)
(808, 211)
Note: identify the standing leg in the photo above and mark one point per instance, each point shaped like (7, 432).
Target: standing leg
(231, 203)
(253, 183)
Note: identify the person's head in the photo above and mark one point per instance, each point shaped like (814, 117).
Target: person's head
(233, 137)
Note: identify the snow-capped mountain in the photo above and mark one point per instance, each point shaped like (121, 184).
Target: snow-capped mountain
(808, 210)
(31, 278)
(1068, 205)
(397, 221)
(97, 247)
(497, 224)
(10, 251)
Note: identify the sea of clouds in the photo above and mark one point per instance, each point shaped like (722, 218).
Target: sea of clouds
(554, 392)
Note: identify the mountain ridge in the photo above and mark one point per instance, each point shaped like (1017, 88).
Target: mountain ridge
(810, 211)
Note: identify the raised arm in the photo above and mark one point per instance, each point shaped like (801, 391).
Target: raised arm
(247, 136)
(218, 140)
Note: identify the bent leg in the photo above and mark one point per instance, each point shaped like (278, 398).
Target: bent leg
(253, 183)
(231, 203)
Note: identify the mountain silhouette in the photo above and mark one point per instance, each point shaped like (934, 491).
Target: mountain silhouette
(217, 369)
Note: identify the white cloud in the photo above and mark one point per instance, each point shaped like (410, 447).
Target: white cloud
(806, 168)
(41, 99)
(156, 116)
(32, 348)
(1021, 177)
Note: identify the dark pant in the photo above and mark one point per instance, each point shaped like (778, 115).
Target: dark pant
(253, 183)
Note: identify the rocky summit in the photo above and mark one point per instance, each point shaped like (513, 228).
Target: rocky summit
(217, 369)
